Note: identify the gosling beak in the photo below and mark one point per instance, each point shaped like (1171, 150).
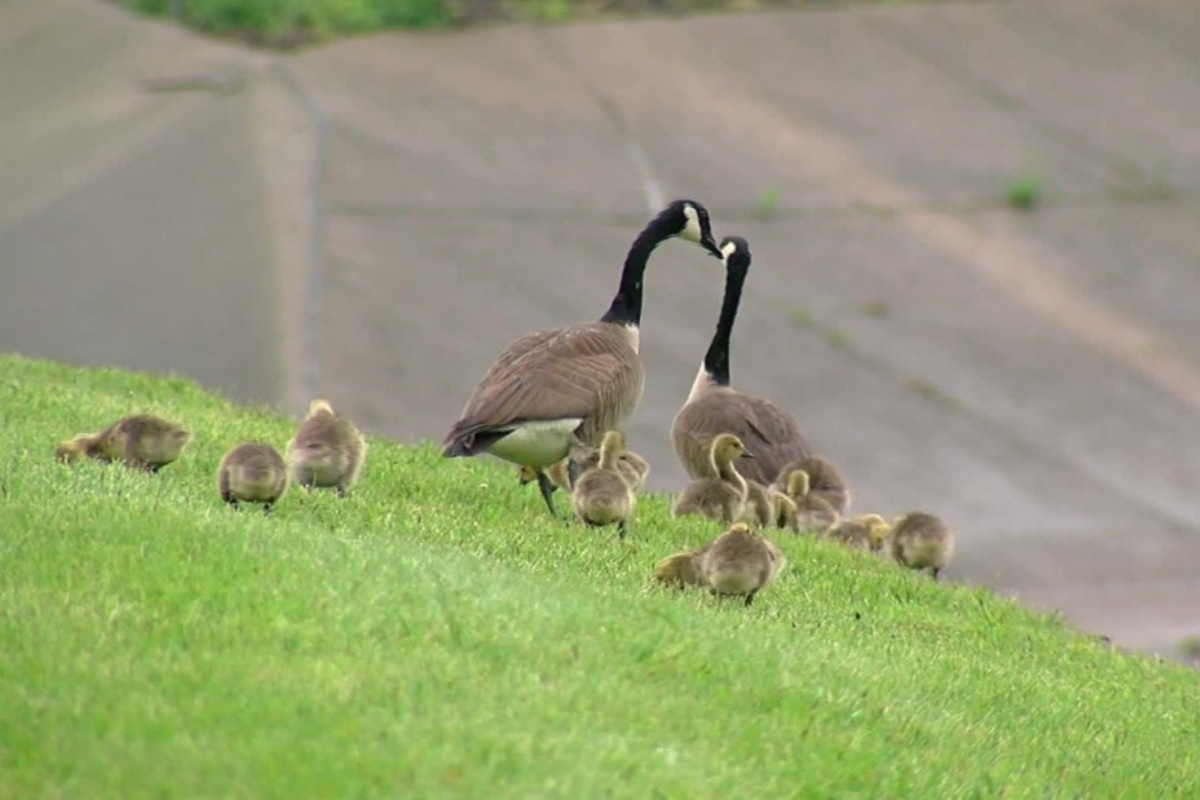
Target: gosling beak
(747, 454)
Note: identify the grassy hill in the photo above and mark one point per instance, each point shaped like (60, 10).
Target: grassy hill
(436, 634)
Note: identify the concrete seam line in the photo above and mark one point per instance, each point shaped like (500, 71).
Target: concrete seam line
(315, 275)
(652, 188)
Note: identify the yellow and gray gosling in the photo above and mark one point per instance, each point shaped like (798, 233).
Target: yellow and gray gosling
(824, 480)
(722, 498)
(740, 562)
(252, 472)
(602, 495)
(140, 441)
(922, 541)
(812, 513)
(681, 570)
(760, 506)
(864, 532)
(327, 450)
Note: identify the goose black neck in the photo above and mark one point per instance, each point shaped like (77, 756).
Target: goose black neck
(716, 360)
(626, 307)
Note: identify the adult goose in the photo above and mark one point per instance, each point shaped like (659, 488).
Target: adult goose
(713, 407)
(551, 388)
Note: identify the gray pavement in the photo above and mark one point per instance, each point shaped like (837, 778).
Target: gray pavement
(1028, 376)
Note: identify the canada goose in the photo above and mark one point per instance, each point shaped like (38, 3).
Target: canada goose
(81, 445)
(922, 541)
(681, 570)
(327, 450)
(864, 532)
(760, 505)
(722, 497)
(824, 480)
(252, 472)
(740, 562)
(713, 407)
(812, 513)
(602, 495)
(554, 387)
(141, 441)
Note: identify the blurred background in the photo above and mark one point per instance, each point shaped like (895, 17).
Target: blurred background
(975, 232)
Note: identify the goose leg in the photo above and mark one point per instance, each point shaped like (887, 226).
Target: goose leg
(547, 489)
(935, 573)
(267, 508)
(621, 529)
(750, 598)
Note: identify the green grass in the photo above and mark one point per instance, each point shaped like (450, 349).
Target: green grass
(435, 634)
(289, 23)
(1025, 192)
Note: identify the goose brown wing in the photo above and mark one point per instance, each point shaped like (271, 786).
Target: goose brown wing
(559, 374)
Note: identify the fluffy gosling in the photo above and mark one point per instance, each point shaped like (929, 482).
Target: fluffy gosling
(740, 562)
(327, 450)
(602, 495)
(824, 481)
(922, 541)
(141, 441)
(252, 472)
(722, 498)
(812, 513)
(864, 532)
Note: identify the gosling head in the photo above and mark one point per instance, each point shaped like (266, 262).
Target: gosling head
(878, 530)
(74, 448)
(526, 475)
(613, 440)
(320, 406)
(798, 483)
(728, 446)
(740, 527)
(689, 220)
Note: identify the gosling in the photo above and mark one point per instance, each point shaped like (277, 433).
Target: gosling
(812, 512)
(740, 562)
(722, 498)
(327, 450)
(252, 472)
(922, 541)
(864, 532)
(142, 441)
(824, 481)
(602, 495)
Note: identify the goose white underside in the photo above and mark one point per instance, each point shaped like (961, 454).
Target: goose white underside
(537, 444)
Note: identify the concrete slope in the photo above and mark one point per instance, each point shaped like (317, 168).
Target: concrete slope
(376, 219)
(1027, 376)
(135, 219)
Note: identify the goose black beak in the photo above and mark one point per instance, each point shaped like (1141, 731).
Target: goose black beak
(710, 244)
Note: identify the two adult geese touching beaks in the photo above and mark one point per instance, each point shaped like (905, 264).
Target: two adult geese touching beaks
(551, 388)
(713, 407)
